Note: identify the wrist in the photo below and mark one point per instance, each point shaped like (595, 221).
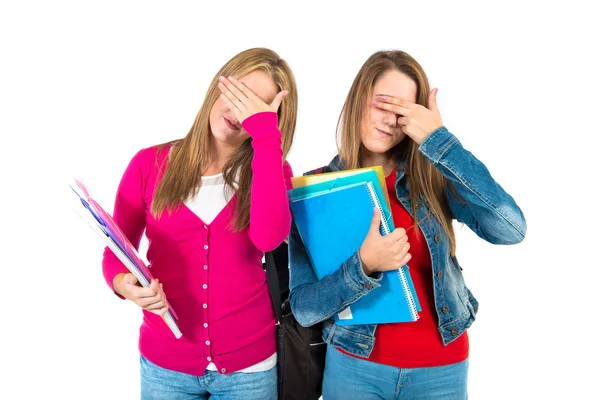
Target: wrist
(365, 266)
(118, 284)
(262, 124)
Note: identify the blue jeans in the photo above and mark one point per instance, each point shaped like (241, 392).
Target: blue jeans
(351, 378)
(163, 384)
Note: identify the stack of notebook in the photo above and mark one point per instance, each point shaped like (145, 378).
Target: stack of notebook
(333, 213)
(102, 223)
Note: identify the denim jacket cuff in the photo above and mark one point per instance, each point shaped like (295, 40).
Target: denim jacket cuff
(357, 279)
(437, 144)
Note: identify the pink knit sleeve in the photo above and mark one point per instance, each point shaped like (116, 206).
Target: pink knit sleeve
(129, 214)
(270, 217)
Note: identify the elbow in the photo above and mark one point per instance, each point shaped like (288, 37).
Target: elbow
(506, 227)
(518, 234)
(515, 238)
(304, 322)
(508, 234)
(268, 243)
(111, 267)
(516, 229)
(303, 315)
(270, 239)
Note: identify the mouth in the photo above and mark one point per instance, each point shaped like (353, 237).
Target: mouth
(231, 125)
(383, 133)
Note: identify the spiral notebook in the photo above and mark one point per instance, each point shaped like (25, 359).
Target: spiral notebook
(105, 227)
(305, 180)
(333, 219)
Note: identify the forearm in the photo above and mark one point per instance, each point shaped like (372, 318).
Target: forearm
(479, 201)
(270, 216)
(129, 214)
(314, 300)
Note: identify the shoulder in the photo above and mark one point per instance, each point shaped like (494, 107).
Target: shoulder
(151, 157)
(331, 167)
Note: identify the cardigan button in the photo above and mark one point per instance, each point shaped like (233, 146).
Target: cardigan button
(223, 370)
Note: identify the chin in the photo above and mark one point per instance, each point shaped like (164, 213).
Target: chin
(229, 137)
(378, 147)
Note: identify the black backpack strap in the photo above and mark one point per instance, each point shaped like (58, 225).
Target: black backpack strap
(273, 281)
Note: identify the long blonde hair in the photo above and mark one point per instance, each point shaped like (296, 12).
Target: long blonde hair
(424, 180)
(182, 175)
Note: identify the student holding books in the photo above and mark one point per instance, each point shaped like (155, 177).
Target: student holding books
(211, 204)
(390, 118)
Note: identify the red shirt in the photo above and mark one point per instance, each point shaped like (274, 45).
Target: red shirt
(415, 344)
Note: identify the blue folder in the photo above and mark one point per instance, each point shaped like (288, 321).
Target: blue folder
(333, 219)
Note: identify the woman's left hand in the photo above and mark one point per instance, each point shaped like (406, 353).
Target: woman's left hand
(243, 102)
(415, 120)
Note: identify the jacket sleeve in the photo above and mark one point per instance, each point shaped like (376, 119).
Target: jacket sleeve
(314, 300)
(482, 204)
(129, 214)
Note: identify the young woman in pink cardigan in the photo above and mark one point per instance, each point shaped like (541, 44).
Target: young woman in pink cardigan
(211, 204)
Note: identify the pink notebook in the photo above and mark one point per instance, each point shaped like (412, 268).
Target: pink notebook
(104, 225)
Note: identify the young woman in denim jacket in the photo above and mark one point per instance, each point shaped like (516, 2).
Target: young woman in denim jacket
(391, 118)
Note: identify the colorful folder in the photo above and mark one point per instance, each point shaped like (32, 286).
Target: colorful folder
(333, 218)
(102, 223)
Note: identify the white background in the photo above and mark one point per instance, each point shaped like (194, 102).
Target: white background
(84, 85)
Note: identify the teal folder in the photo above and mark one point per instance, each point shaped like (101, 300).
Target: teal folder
(333, 219)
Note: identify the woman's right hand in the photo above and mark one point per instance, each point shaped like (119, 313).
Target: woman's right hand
(243, 102)
(383, 253)
(151, 298)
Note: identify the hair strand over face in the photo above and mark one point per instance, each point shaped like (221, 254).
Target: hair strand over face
(424, 180)
(181, 177)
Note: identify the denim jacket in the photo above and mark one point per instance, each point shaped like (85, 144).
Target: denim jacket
(484, 207)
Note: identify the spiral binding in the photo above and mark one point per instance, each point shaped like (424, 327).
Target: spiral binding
(385, 228)
(408, 294)
(168, 317)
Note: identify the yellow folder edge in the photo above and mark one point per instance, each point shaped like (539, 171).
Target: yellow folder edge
(300, 181)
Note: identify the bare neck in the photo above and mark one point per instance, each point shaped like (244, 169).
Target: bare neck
(221, 153)
(383, 159)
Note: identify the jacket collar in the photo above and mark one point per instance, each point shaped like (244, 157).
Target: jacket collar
(337, 165)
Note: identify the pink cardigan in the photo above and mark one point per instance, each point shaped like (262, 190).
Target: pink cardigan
(212, 276)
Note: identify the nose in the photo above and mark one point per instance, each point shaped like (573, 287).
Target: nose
(390, 119)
